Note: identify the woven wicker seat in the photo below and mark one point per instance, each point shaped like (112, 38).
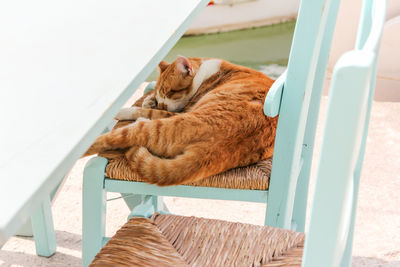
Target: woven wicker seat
(170, 240)
(254, 177)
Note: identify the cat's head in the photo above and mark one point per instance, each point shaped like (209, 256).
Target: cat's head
(174, 85)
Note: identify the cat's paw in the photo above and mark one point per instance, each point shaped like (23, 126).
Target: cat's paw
(149, 102)
(126, 114)
(140, 119)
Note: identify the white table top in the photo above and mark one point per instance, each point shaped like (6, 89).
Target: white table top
(66, 67)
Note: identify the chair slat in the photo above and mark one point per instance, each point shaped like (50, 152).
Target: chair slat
(300, 202)
(309, 33)
(113, 185)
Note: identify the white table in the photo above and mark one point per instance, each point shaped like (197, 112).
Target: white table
(66, 67)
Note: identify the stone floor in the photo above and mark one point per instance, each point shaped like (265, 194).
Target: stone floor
(377, 234)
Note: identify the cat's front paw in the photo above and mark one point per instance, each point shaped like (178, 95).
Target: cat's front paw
(126, 114)
(149, 102)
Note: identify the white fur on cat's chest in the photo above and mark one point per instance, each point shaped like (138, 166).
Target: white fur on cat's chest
(207, 69)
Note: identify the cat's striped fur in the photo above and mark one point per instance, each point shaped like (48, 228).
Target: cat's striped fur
(222, 125)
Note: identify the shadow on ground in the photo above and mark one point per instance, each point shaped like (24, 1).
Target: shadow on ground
(11, 258)
(69, 240)
(69, 246)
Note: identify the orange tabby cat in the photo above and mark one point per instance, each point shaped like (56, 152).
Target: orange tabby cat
(222, 125)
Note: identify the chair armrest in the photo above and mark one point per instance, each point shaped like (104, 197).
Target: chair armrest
(273, 99)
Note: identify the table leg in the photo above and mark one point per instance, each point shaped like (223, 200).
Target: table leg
(43, 230)
(26, 229)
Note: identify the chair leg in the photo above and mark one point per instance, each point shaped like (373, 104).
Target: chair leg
(346, 258)
(159, 204)
(300, 203)
(270, 218)
(347, 254)
(43, 230)
(133, 200)
(278, 214)
(93, 209)
(26, 229)
(145, 209)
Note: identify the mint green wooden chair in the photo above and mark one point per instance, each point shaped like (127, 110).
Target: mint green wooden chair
(329, 238)
(295, 96)
(352, 90)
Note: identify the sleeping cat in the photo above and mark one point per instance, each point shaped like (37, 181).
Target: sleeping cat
(209, 119)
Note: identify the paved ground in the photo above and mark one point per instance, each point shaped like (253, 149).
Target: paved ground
(377, 235)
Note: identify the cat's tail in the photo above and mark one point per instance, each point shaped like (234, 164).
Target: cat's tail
(97, 147)
(186, 167)
(117, 139)
(114, 140)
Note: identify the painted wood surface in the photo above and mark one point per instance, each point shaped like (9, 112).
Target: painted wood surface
(306, 53)
(330, 237)
(66, 68)
(120, 186)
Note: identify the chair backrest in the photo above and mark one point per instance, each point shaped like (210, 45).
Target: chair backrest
(296, 96)
(333, 210)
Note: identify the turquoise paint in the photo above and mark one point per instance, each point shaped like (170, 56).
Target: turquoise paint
(145, 209)
(330, 237)
(113, 185)
(365, 37)
(300, 202)
(133, 200)
(43, 229)
(93, 209)
(305, 54)
(273, 99)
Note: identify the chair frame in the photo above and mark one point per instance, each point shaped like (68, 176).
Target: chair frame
(349, 107)
(290, 96)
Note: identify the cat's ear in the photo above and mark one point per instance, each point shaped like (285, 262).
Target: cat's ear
(163, 66)
(183, 65)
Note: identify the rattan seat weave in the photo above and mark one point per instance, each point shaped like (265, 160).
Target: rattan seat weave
(254, 177)
(170, 240)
